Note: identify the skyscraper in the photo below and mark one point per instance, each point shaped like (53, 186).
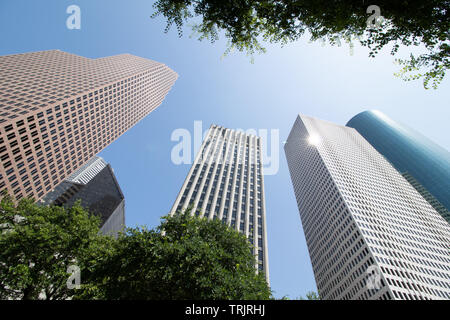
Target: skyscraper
(58, 110)
(424, 164)
(370, 234)
(226, 182)
(95, 185)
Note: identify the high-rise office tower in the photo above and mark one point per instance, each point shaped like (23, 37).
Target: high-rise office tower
(58, 110)
(423, 163)
(226, 182)
(95, 186)
(361, 216)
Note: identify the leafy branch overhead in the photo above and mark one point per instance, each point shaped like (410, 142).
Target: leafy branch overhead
(248, 22)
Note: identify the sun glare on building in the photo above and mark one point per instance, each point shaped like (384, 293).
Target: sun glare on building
(314, 139)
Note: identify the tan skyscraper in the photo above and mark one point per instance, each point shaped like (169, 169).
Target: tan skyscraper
(58, 110)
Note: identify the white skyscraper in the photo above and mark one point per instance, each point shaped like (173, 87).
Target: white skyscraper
(370, 234)
(226, 183)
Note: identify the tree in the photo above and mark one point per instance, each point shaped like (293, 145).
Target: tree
(246, 22)
(311, 295)
(38, 244)
(186, 257)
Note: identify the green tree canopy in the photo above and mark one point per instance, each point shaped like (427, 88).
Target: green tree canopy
(246, 22)
(186, 257)
(311, 295)
(38, 244)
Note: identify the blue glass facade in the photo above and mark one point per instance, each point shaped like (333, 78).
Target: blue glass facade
(408, 151)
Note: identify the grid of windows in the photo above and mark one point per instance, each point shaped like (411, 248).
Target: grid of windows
(357, 211)
(426, 164)
(428, 196)
(88, 171)
(57, 110)
(226, 183)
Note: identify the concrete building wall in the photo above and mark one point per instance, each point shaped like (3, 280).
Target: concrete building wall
(360, 215)
(100, 195)
(226, 182)
(409, 152)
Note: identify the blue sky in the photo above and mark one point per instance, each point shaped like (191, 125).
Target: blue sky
(323, 82)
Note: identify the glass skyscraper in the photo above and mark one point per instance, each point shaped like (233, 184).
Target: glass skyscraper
(421, 161)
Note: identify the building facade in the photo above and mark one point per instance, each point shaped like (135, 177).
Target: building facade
(439, 207)
(370, 234)
(226, 182)
(58, 110)
(425, 164)
(96, 187)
